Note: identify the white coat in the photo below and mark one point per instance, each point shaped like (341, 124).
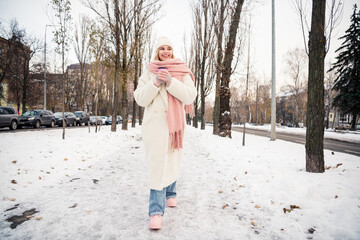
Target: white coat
(163, 163)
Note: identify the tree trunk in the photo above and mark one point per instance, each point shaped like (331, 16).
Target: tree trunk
(124, 70)
(63, 89)
(117, 66)
(195, 118)
(225, 114)
(220, 33)
(196, 103)
(334, 119)
(25, 85)
(136, 76)
(247, 104)
(315, 105)
(202, 110)
(256, 105)
(141, 109)
(124, 100)
(353, 122)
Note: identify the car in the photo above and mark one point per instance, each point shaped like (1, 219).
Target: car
(82, 118)
(70, 118)
(103, 118)
(37, 118)
(109, 120)
(93, 120)
(9, 117)
(343, 126)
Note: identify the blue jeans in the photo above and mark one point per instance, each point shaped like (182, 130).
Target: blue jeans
(157, 201)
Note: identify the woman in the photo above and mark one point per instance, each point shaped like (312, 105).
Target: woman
(164, 88)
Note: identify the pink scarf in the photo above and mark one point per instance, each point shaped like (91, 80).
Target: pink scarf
(175, 114)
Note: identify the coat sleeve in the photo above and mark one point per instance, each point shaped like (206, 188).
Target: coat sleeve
(146, 91)
(184, 91)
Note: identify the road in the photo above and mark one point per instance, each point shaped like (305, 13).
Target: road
(330, 144)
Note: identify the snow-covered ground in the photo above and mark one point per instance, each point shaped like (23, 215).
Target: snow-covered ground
(343, 135)
(93, 186)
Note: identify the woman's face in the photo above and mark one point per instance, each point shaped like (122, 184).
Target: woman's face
(165, 53)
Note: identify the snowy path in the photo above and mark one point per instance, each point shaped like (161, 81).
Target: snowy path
(225, 191)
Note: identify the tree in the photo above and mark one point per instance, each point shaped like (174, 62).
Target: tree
(195, 65)
(225, 114)
(318, 46)
(219, 18)
(144, 17)
(203, 39)
(296, 61)
(120, 24)
(97, 49)
(247, 104)
(20, 50)
(62, 10)
(315, 105)
(347, 68)
(329, 95)
(81, 46)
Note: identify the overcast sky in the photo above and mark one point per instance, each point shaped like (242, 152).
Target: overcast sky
(177, 21)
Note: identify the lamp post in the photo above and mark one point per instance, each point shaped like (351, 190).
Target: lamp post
(45, 65)
(273, 74)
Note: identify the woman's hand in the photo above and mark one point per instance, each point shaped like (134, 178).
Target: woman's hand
(157, 81)
(165, 76)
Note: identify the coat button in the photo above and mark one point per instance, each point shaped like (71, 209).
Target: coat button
(165, 111)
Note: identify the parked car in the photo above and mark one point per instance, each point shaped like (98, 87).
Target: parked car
(9, 117)
(70, 118)
(82, 118)
(93, 120)
(343, 126)
(103, 118)
(109, 120)
(37, 118)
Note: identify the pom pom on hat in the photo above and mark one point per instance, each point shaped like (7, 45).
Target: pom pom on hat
(162, 40)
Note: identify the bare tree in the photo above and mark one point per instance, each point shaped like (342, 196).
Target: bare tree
(318, 46)
(203, 36)
(333, 17)
(109, 13)
(122, 28)
(195, 65)
(97, 50)
(219, 18)
(247, 104)
(20, 49)
(225, 114)
(315, 107)
(296, 66)
(329, 94)
(144, 17)
(81, 46)
(62, 10)
(146, 57)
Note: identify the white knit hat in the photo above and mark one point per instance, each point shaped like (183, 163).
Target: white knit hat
(162, 40)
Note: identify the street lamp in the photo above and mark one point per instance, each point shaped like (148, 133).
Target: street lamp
(45, 65)
(273, 76)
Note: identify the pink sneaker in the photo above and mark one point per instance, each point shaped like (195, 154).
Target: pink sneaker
(171, 202)
(155, 222)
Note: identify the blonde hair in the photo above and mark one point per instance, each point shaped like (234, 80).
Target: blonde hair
(157, 57)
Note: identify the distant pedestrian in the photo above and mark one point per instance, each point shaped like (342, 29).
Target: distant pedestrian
(166, 89)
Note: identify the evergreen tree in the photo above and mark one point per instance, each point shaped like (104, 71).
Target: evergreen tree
(347, 69)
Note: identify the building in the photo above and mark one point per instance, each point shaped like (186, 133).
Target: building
(14, 72)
